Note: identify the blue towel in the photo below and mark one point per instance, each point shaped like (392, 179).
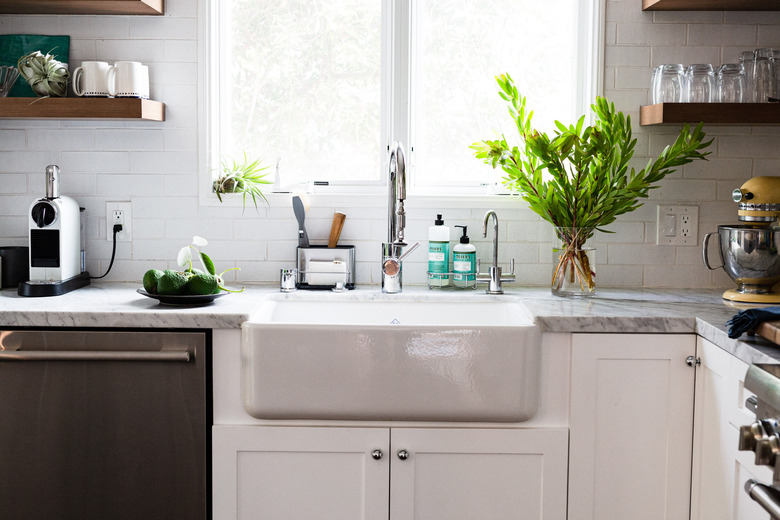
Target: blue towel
(749, 319)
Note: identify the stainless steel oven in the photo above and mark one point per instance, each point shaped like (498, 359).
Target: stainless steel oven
(99, 424)
(763, 436)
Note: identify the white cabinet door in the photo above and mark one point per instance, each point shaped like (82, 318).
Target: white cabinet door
(714, 447)
(292, 473)
(631, 426)
(468, 474)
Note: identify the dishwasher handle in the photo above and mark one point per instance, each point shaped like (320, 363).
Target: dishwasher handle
(95, 355)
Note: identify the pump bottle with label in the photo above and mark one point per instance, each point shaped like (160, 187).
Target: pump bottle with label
(438, 254)
(464, 260)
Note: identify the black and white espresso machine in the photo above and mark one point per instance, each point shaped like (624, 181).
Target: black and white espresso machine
(54, 222)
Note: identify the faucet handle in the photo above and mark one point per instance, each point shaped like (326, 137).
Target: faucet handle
(511, 267)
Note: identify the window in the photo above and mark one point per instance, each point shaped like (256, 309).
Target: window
(324, 87)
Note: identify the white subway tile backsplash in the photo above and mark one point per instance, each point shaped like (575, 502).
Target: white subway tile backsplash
(155, 165)
(686, 55)
(95, 27)
(173, 28)
(145, 51)
(650, 34)
(63, 139)
(627, 56)
(128, 139)
(12, 140)
(713, 34)
(95, 161)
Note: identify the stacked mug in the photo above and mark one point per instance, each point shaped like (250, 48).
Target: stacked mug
(124, 79)
(755, 79)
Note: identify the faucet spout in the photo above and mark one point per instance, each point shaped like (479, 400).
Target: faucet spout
(396, 190)
(489, 214)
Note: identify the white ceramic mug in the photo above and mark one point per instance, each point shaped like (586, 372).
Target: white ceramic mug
(91, 79)
(129, 79)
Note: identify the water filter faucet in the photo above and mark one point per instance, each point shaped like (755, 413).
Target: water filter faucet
(493, 277)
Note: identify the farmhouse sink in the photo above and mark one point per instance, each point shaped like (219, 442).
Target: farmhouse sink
(391, 358)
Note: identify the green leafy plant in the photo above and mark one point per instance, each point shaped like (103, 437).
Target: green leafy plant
(579, 178)
(243, 177)
(46, 75)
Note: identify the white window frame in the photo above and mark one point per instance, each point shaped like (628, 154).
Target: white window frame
(398, 76)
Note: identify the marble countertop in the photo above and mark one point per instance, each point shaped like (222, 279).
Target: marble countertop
(610, 311)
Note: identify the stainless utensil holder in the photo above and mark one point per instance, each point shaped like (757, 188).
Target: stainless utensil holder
(324, 268)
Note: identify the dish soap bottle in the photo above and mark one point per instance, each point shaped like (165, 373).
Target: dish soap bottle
(438, 254)
(464, 260)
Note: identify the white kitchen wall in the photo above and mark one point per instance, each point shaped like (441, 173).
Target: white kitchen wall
(155, 165)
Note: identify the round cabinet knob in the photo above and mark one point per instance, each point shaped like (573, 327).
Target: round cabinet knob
(403, 454)
(377, 454)
(692, 361)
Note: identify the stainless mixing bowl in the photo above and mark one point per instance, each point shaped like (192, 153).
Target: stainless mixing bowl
(749, 255)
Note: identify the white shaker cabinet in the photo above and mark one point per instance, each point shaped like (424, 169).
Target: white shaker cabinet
(485, 474)
(269, 473)
(631, 426)
(720, 470)
(293, 473)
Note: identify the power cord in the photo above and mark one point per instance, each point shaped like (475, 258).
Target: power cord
(117, 229)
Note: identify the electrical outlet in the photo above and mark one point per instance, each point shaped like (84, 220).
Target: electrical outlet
(678, 226)
(119, 213)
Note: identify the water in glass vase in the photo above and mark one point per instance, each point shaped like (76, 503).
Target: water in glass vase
(573, 269)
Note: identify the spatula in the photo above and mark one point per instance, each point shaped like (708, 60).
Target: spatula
(300, 214)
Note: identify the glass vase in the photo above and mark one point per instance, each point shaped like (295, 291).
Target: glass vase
(573, 269)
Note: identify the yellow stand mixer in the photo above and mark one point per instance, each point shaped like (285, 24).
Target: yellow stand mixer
(749, 252)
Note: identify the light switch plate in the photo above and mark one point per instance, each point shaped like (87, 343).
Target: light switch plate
(677, 226)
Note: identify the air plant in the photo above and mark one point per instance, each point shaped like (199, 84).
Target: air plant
(47, 76)
(244, 177)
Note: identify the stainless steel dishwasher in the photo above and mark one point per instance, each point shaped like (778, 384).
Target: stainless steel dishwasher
(104, 424)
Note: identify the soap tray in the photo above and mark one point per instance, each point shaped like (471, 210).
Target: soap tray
(323, 267)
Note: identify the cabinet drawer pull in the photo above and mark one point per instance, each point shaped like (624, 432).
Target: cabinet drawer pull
(96, 355)
(403, 454)
(377, 454)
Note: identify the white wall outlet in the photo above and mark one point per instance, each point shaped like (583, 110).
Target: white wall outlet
(678, 226)
(119, 213)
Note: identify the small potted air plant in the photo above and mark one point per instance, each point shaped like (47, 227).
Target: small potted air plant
(47, 76)
(244, 177)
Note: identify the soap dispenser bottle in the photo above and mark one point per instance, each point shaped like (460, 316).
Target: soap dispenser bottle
(464, 262)
(438, 254)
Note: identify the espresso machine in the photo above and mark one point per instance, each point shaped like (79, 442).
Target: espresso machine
(54, 222)
(750, 252)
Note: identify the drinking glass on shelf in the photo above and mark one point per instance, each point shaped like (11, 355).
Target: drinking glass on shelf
(732, 83)
(670, 84)
(654, 91)
(764, 75)
(748, 60)
(700, 81)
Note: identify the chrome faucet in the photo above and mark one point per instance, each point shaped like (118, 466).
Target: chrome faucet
(392, 250)
(493, 277)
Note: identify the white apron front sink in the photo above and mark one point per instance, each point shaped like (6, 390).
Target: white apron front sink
(391, 359)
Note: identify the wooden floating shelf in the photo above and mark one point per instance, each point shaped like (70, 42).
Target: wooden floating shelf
(710, 113)
(710, 5)
(121, 7)
(81, 108)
